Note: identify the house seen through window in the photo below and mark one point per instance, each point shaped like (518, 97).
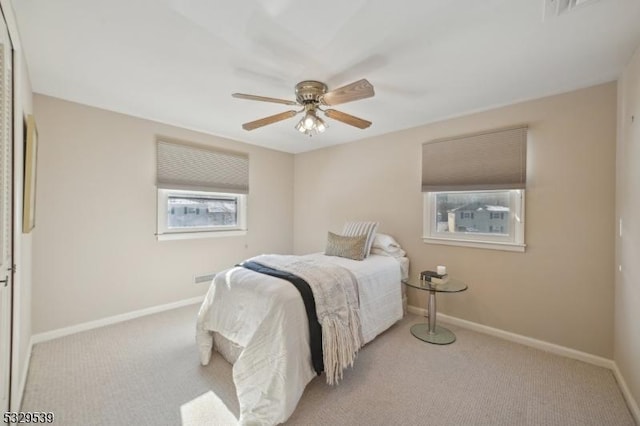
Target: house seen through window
(186, 211)
(473, 212)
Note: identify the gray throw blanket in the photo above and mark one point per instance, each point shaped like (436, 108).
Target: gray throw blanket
(335, 292)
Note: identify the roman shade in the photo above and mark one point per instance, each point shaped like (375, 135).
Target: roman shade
(200, 168)
(482, 161)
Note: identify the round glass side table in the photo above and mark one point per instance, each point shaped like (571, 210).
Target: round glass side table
(430, 332)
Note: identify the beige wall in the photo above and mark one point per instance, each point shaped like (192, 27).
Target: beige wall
(94, 247)
(627, 294)
(561, 289)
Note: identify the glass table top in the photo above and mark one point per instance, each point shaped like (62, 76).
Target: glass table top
(451, 286)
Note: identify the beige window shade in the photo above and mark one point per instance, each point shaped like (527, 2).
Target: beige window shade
(491, 160)
(198, 168)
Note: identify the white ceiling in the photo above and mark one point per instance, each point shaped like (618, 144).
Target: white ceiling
(178, 61)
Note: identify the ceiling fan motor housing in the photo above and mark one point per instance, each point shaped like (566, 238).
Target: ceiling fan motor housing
(310, 91)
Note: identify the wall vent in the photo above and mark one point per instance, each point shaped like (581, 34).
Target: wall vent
(208, 278)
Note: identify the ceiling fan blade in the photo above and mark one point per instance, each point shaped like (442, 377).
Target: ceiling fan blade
(263, 99)
(269, 120)
(347, 118)
(360, 89)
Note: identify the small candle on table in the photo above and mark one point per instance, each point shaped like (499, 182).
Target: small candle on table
(441, 270)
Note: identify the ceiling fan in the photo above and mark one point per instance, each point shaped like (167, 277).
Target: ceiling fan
(312, 95)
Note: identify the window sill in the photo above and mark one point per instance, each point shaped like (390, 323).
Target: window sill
(195, 235)
(476, 244)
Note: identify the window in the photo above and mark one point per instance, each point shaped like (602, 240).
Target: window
(181, 211)
(490, 219)
(202, 191)
(474, 189)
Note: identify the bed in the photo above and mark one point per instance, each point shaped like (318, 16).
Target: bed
(259, 324)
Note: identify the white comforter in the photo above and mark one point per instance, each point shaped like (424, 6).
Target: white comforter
(265, 315)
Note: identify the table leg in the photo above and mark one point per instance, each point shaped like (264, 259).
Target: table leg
(432, 312)
(431, 332)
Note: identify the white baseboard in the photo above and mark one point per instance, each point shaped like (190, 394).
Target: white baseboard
(545, 346)
(631, 403)
(24, 373)
(60, 332)
(518, 338)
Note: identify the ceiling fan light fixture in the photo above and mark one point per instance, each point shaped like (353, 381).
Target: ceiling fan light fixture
(320, 125)
(309, 121)
(311, 124)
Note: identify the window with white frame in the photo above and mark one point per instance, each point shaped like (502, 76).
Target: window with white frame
(201, 191)
(181, 212)
(474, 189)
(475, 217)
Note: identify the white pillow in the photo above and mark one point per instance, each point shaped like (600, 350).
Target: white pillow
(385, 242)
(398, 252)
(354, 229)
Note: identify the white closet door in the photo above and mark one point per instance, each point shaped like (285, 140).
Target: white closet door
(6, 212)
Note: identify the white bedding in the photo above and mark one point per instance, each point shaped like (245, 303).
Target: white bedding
(266, 317)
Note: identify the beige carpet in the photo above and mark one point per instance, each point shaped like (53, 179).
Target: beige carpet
(146, 372)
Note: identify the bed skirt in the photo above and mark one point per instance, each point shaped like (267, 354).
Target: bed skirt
(229, 350)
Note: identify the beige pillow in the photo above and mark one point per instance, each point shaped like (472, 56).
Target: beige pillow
(349, 247)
